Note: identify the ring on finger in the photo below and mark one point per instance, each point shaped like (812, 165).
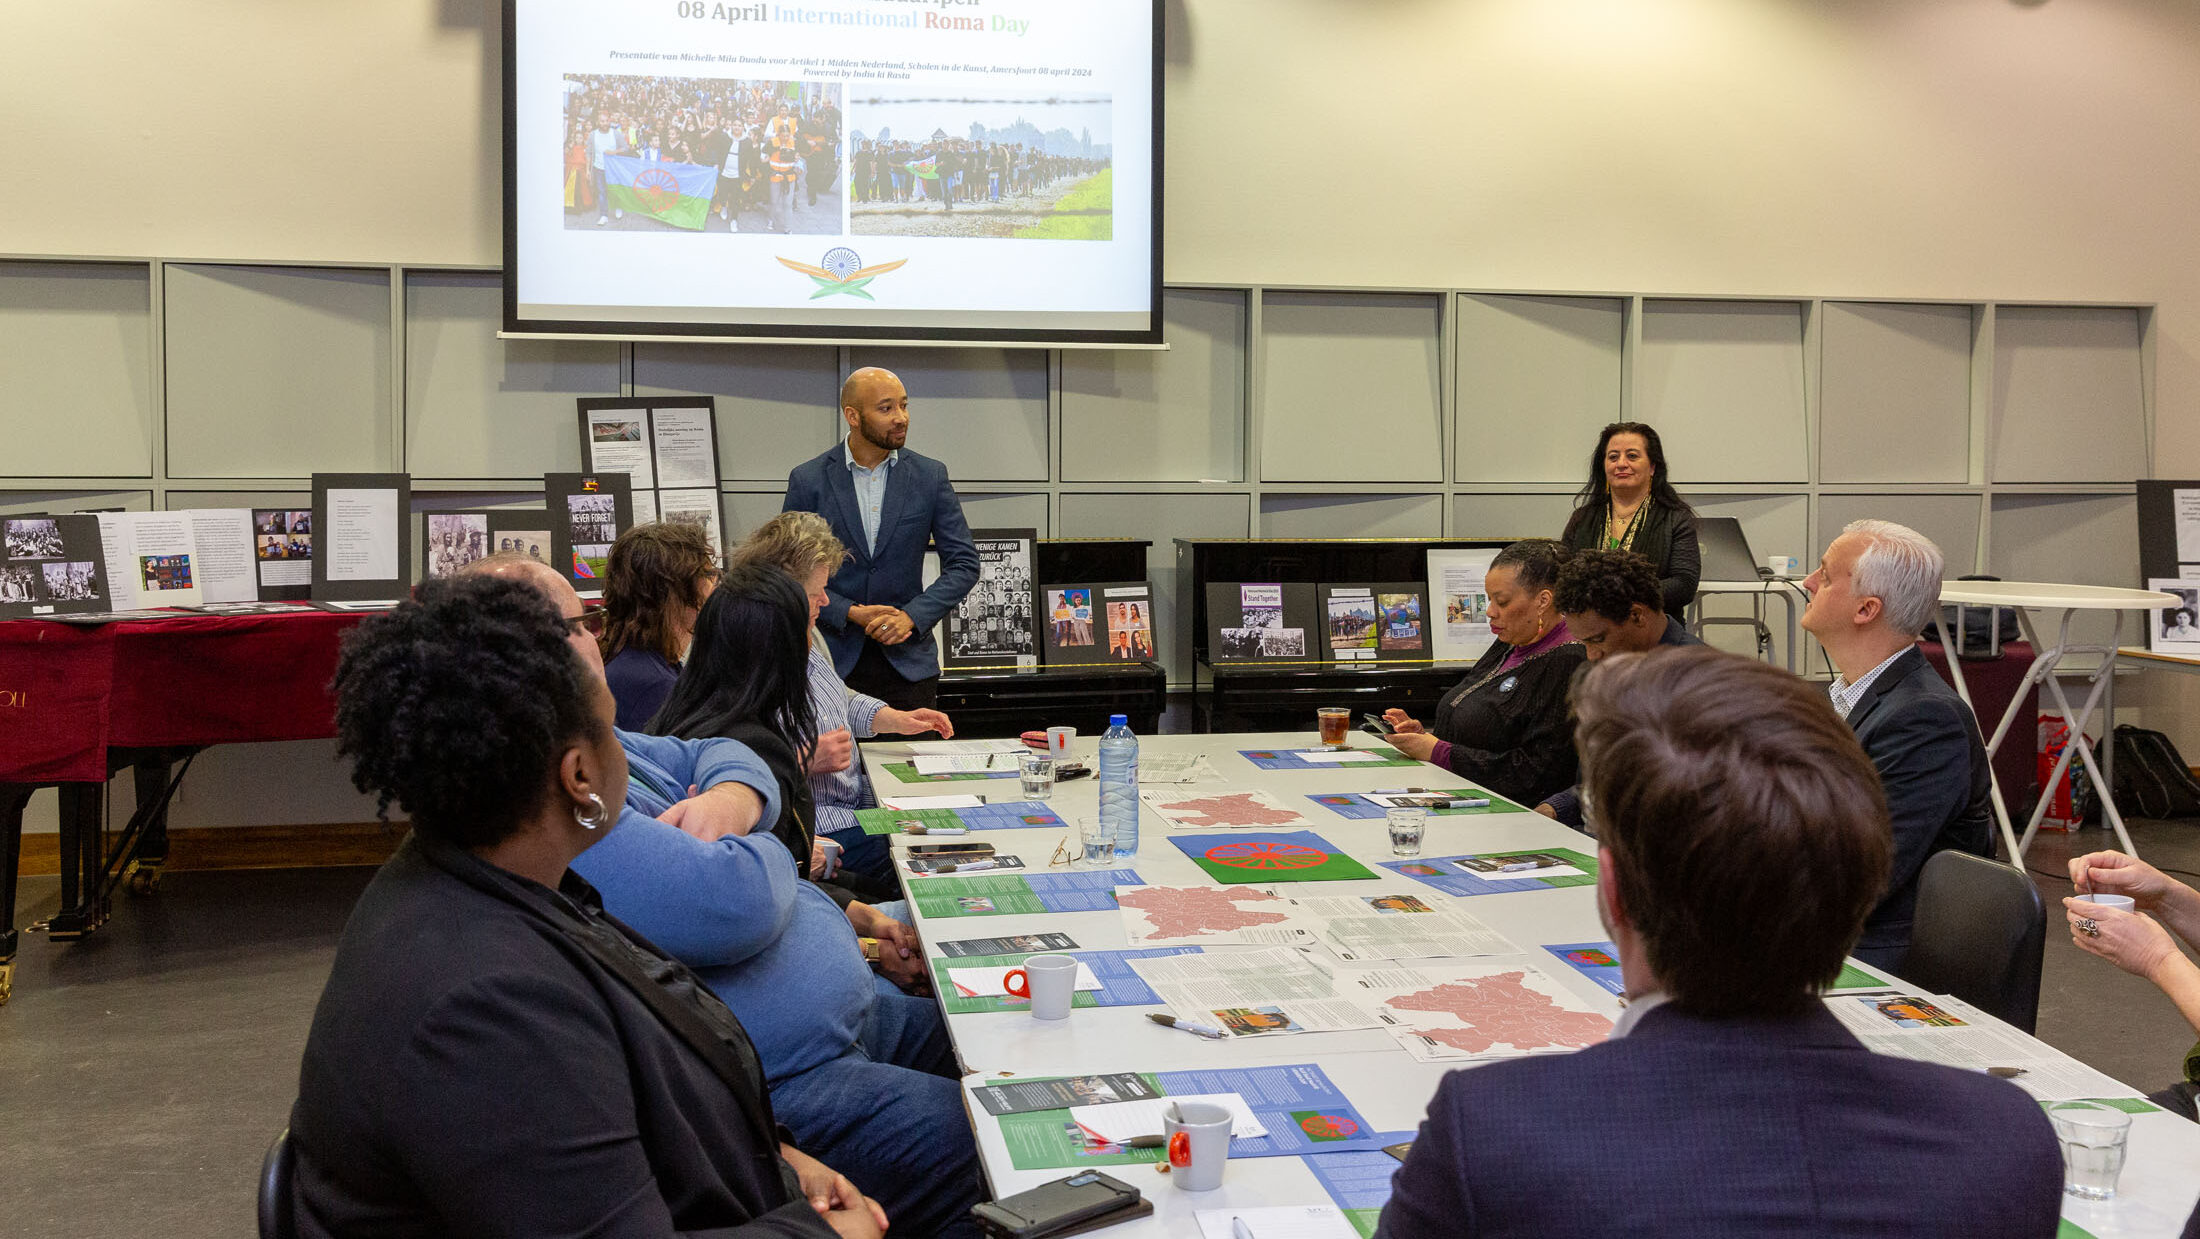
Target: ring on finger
(2089, 927)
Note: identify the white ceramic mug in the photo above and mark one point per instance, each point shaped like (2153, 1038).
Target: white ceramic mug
(1048, 981)
(1059, 740)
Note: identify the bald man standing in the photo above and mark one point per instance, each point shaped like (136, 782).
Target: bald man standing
(886, 504)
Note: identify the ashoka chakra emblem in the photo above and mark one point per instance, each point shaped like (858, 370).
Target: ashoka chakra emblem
(842, 262)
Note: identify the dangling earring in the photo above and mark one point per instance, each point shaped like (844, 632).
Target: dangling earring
(592, 818)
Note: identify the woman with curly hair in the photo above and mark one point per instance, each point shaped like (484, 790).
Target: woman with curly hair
(493, 1054)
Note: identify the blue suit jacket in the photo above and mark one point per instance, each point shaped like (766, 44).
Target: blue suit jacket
(1697, 1127)
(1925, 743)
(920, 509)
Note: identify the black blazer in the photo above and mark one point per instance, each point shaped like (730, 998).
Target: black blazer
(920, 509)
(473, 1071)
(1744, 1127)
(1667, 539)
(1509, 732)
(1925, 743)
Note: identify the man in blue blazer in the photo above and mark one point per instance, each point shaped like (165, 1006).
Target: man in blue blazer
(1874, 591)
(886, 505)
(1740, 841)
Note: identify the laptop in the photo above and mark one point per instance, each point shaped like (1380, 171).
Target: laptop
(1725, 551)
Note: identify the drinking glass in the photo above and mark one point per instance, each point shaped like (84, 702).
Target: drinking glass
(1406, 824)
(1037, 771)
(1098, 841)
(1335, 721)
(2092, 1137)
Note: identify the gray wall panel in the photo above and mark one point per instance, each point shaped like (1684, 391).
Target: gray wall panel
(1538, 377)
(1350, 388)
(1172, 416)
(75, 369)
(777, 406)
(480, 407)
(1895, 393)
(1723, 383)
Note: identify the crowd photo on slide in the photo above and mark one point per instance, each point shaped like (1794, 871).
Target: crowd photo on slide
(981, 167)
(695, 154)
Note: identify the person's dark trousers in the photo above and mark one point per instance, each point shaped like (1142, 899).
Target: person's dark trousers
(876, 676)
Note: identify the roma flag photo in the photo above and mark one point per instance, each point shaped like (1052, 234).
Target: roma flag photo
(674, 193)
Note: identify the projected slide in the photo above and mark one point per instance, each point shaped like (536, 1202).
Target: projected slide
(867, 169)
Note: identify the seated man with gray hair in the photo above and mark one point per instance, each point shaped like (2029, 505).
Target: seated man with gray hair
(1873, 592)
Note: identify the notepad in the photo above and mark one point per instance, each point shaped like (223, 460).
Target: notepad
(1338, 757)
(1276, 1222)
(992, 982)
(907, 803)
(963, 763)
(1119, 1121)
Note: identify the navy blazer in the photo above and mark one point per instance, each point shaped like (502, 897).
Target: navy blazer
(1924, 742)
(921, 509)
(1749, 1127)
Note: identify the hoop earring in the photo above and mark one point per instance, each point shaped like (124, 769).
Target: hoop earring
(594, 817)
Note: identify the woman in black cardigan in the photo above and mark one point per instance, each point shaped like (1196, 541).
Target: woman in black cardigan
(493, 1055)
(1505, 725)
(1629, 504)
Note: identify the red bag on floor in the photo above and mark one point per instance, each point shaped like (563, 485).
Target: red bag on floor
(2070, 800)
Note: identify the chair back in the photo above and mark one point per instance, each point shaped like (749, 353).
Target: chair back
(1980, 933)
(277, 1218)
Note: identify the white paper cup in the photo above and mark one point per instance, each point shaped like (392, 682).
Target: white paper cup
(1199, 1145)
(2122, 903)
(1058, 741)
(1049, 981)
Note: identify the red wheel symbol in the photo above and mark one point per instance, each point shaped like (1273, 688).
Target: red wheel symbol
(1328, 1126)
(657, 188)
(1263, 855)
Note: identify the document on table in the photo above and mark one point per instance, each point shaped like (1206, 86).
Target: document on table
(1253, 993)
(906, 803)
(1479, 1010)
(1118, 1121)
(1276, 1222)
(993, 982)
(962, 763)
(224, 540)
(1173, 767)
(1396, 925)
(967, 747)
(1338, 757)
(1946, 1030)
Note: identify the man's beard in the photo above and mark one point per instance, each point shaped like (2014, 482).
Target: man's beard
(883, 440)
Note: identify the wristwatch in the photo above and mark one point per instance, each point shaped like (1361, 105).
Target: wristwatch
(870, 948)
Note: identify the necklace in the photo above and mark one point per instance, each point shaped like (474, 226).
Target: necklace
(1624, 540)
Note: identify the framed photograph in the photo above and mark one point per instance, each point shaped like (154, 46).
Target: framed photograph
(2176, 630)
(52, 565)
(996, 623)
(587, 513)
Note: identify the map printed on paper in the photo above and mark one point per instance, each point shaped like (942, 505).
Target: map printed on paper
(1481, 1011)
(1013, 815)
(1207, 915)
(1222, 807)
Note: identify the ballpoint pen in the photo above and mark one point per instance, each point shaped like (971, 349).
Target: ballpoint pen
(1170, 1021)
(1525, 865)
(1239, 1230)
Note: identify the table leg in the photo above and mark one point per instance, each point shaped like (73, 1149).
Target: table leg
(13, 797)
(2108, 713)
(2077, 722)
(1993, 781)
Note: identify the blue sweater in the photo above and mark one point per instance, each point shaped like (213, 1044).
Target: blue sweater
(640, 681)
(774, 947)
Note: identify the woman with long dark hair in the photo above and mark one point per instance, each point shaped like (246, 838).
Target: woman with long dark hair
(1629, 504)
(746, 678)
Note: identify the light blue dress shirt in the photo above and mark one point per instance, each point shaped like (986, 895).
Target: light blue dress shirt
(870, 491)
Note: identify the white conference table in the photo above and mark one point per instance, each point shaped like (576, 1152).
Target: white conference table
(2025, 597)
(1387, 1084)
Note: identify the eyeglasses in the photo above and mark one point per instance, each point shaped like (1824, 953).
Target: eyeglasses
(590, 622)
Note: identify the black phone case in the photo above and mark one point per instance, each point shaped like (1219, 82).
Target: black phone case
(1084, 1201)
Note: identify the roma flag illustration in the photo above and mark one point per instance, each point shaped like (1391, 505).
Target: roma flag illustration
(677, 193)
(925, 169)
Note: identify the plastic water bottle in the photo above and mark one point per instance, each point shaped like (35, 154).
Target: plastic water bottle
(1119, 784)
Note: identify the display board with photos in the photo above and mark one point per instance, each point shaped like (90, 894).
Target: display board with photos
(51, 565)
(1263, 621)
(995, 624)
(2176, 629)
(282, 554)
(1459, 602)
(452, 540)
(668, 448)
(363, 556)
(1375, 622)
(1081, 624)
(587, 512)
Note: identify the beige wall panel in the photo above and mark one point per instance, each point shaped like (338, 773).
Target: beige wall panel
(1895, 393)
(1538, 378)
(480, 407)
(1351, 516)
(2068, 400)
(777, 406)
(2069, 540)
(75, 369)
(981, 411)
(1722, 381)
(1951, 521)
(1172, 416)
(1350, 388)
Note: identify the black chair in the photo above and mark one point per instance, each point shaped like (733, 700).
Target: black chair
(277, 1220)
(1980, 933)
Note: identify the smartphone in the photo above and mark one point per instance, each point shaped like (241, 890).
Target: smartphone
(1062, 1207)
(972, 850)
(1067, 770)
(1377, 725)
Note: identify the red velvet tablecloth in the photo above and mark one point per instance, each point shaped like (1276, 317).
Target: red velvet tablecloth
(70, 692)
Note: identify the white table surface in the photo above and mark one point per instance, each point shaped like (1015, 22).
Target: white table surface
(1388, 1086)
(2046, 596)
